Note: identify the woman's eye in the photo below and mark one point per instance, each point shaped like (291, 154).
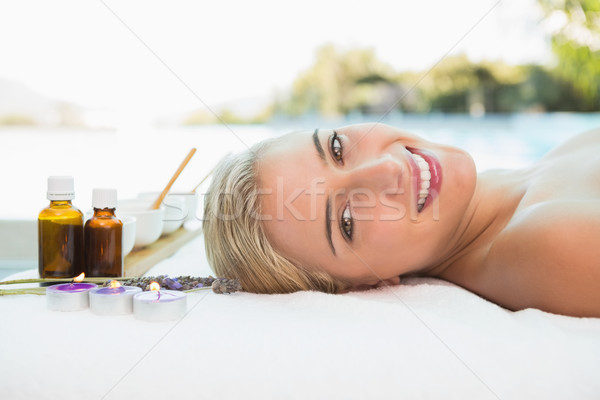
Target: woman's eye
(347, 222)
(336, 148)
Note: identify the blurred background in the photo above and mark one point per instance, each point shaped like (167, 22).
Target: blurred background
(106, 63)
(115, 93)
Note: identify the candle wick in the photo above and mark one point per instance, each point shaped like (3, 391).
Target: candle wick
(157, 300)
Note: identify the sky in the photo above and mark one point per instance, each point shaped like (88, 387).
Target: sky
(153, 58)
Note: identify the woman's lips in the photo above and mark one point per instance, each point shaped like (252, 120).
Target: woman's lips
(435, 182)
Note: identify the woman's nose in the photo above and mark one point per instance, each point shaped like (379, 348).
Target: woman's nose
(380, 173)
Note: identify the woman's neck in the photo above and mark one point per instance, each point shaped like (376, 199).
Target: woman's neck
(494, 202)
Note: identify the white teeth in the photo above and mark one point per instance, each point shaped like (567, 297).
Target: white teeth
(425, 178)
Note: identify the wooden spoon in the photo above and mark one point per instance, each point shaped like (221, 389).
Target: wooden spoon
(161, 197)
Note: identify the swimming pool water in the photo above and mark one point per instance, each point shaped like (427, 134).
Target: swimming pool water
(142, 159)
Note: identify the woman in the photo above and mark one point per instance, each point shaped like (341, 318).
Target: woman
(364, 205)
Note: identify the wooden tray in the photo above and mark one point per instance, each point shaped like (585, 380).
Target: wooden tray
(138, 262)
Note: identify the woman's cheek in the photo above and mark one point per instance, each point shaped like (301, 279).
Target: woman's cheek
(391, 210)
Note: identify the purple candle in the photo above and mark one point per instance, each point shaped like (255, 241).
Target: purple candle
(113, 300)
(72, 296)
(159, 305)
(111, 290)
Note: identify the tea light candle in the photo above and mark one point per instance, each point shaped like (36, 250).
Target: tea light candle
(72, 296)
(159, 305)
(113, 300)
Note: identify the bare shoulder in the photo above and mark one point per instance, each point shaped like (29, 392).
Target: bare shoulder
(582, 141)
(566, 224)
(548, 257)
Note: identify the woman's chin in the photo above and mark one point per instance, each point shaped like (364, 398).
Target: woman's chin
(459, 179)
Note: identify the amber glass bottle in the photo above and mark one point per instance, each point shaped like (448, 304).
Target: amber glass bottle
(103, 235)
(60, 232)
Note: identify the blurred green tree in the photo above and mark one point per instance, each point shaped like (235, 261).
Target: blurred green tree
(339, 82)
(576, 44)
(458, 85)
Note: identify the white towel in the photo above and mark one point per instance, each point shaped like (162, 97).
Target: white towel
(423, 339)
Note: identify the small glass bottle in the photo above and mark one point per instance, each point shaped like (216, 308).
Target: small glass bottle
(103, 235)
(60, 232)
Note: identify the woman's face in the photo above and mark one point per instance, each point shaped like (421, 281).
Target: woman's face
(364, 202)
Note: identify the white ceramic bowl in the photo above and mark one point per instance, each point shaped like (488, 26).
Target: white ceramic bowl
(149, 223)
(174, 201)
(175, 213)
(191, 203)
(128, 233)
(174, 207)
(129, 228)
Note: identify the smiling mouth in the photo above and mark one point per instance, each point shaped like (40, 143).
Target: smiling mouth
(425, 176)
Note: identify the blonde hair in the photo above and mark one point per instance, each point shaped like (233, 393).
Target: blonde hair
(236, 244)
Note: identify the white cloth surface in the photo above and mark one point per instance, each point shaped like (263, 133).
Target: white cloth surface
(425, 339)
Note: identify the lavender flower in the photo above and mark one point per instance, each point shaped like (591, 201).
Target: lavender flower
(173, 284)
(183, 283)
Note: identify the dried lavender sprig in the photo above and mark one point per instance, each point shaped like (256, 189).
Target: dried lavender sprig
(8, 292)
(182, 283)
(178, 283)
(56, 280)
(224, 285)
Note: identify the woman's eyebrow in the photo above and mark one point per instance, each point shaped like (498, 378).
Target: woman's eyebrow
(318, 146)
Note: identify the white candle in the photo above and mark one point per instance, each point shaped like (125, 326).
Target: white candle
(69, 296)
(159, 305)
(113, 300)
